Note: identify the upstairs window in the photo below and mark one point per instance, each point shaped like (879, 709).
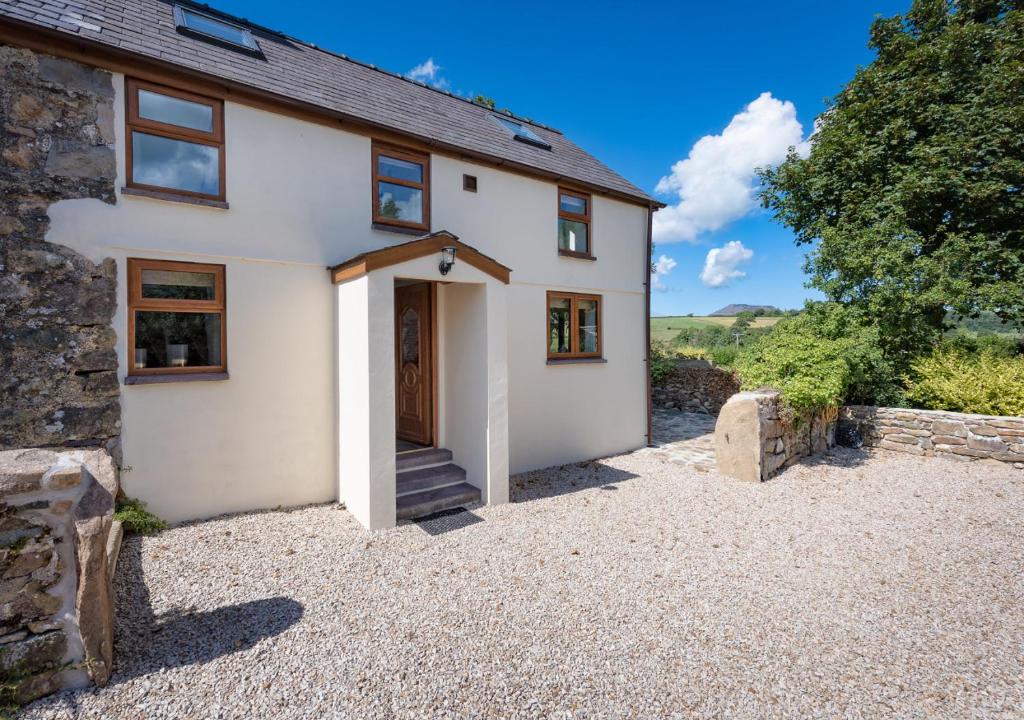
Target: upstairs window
(574, 325)
(175, 318)
(401, 187)
(191, 22)
(175, 141)
(574, 224)
(522, 133)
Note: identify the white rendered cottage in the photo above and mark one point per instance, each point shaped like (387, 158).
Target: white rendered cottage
(332, 281)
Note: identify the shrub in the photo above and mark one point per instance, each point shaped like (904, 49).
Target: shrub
(725, 355)
(821, 358)
(690, 352)
(662, 362)
(137, 519)
(952, 379)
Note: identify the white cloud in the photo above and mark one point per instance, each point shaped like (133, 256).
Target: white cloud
(721, 265)
(661, 268)
(715, 183)
(428, 72)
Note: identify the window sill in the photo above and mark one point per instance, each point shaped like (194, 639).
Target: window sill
(401, 230)
(174, 197)
(174, 378)
(577, 255)
(577, 361)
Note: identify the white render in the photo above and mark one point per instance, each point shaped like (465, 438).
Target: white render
(286, 428)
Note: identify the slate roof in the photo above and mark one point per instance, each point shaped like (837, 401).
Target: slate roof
(303, 72)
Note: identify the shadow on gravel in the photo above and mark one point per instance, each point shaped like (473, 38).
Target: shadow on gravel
(565, 479)
(146, 643)
(843, 457)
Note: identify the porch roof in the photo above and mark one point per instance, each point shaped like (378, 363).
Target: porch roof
(421, 246)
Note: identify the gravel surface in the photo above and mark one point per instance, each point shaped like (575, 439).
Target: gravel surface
(861, 585)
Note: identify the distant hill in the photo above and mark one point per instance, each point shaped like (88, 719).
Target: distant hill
(737, 308)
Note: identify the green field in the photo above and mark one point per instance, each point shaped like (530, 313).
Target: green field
(666, 328)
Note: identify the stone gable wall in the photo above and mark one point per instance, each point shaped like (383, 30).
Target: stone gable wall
(58, 366)
(695, 386)
(934, 432)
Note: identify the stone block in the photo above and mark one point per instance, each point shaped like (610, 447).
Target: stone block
(981, 429)
(75, 159)
(22, 471)
(75, 77)
(988, 444)
(63, 478)
(10, 225)
(949, 439)
(953, 428)
(738, 439)
(901, 438)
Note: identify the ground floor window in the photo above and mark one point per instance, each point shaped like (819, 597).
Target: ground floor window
(175, 317)
(574, 325)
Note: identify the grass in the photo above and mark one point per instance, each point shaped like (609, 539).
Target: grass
(666, 328)
(137, 519)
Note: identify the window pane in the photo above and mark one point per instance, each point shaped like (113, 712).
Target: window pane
(399, 169)
(169, 339)
(209, 26)
(572, 235)
(175, 164)
(559, 335)
(410, 337)
(400, 203)
(586, 315)
(573, 204)
(175, 285)
(175, 111)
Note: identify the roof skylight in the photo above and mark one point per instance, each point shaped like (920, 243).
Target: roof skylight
(207, 27)
(522, 133)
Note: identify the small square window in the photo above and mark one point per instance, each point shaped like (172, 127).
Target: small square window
(175, 318)
(188, 21)
(574, 325)
(469, 183)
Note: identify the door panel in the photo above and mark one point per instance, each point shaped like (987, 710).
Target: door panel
(414, 379)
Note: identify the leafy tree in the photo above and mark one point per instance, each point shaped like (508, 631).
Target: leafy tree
(911, 195)
(484, 100)
(824, 357)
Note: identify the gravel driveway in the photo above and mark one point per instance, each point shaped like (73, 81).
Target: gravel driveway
(858, 586)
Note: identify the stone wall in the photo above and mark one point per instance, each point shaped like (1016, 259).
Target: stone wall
(56, 607)
(58, 367)
(695, 386)
(755, 438)
(934, 432)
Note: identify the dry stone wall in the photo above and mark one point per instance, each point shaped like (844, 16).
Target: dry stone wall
(56, 605)
(695, 386)
(934, 432)
(755, 439)
(58, 367)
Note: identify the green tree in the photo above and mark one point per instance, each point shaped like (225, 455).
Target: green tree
(487, 102)
(911, 195)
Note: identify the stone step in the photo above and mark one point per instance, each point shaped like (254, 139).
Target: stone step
(431, 501)
(428, 478)
(422, 458)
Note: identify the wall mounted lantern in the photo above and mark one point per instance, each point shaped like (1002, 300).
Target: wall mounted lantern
(447, 259)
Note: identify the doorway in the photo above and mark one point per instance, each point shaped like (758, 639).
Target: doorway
(414, 365)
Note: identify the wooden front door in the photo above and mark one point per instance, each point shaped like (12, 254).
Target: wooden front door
(414, 367)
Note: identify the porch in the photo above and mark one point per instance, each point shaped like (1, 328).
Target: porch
(422, 380)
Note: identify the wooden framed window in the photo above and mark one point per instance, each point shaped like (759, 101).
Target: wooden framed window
(574, 325)
(176, 318)
(401, 187)
(175, 141)
(574, 237)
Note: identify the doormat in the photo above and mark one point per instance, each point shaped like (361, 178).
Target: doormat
(447, 520)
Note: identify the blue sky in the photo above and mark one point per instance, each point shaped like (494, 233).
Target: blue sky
(638, 85)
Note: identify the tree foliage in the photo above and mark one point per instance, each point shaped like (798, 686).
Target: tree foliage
(989, 382)
(825, 357)
(911, 195)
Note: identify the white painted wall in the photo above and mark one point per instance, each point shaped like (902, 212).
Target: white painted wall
(299, 197)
